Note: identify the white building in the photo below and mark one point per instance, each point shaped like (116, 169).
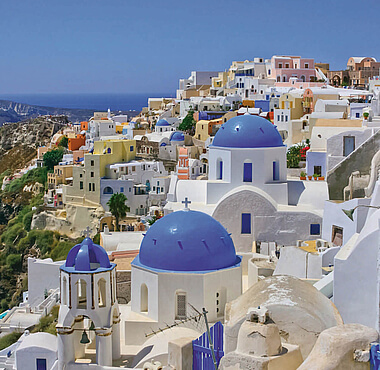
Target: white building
(186, 259)
(248, 191)
(88, 302)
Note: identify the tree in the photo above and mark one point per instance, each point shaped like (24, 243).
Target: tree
(118, 208)
(52, 158)
(64, 142)
(188, 122)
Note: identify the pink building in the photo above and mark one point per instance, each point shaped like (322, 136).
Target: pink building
(285, 67)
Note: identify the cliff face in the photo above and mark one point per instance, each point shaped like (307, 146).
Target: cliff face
(19, 141)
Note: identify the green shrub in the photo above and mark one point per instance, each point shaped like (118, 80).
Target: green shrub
(9, 339)
(27, 220)
(14, 261)
(61, 250)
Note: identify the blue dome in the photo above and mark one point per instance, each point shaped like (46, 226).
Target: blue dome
(177, 136)
(187, 241)
(87, 257)
(162, 122)
(247, 131)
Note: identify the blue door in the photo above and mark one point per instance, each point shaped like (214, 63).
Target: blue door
(41, 363)
(247, 177)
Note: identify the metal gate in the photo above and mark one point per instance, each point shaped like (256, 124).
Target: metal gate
(202, 356)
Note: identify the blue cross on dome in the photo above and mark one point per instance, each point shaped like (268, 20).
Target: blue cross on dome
(186, 202)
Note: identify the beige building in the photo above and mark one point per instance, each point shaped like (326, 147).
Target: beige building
(61, 175)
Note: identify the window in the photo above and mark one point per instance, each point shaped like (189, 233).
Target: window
(144, 298)
(247, 175)
(180, 312)
(279, 65)
(81, 293)
(41, 363)
(121, 190)
(245, 223)
(287, 65)
(337, 235)
(81, 185)
(92, 163)
(306, 65)
(154, 188)
(89, 186)
(219, 169)
(162, 189)
(276, 171)
(93, 186)
(315, 229)
(278, 118)
(102, 293)
(131, 148)
(286, 118)
(80, 175)
(107, 190)
(64, 291)
(357, 115)
(92, 174)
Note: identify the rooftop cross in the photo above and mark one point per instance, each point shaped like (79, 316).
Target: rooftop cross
(186, 202)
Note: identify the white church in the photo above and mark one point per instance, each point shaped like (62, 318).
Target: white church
(187, 262)
(248, 191)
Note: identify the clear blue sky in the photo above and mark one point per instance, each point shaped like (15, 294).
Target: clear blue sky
(147, 45)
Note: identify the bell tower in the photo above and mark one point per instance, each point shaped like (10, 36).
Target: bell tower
(88, 304)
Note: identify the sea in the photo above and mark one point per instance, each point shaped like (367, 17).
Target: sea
(95, 101)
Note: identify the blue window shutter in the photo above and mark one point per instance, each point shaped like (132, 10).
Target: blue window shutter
(246, 223)
(247, 176)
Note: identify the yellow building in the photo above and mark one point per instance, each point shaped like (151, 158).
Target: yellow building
(86, 179)
(293, 102)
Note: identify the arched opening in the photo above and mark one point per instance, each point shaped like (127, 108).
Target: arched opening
(303, 78)
(64, 291)
(81, 293)
(107, 190)
(109, 150)
(247, 172)
(276, 171)
(278, 79)
(180, 305)
(220, 300)
(102, 298)
(283, 78)
(144, 298)
(219, 169)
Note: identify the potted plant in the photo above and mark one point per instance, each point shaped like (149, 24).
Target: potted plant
(310, 177)
(303, 175)
(315, 177)
(365, 115)
(321, 178)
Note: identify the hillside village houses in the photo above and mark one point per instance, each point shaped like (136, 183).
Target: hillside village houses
(226, 186)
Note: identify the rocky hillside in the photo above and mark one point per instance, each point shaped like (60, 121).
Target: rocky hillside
(13, 112)
(19, 141)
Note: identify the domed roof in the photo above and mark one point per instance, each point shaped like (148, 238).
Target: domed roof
(177, 136)
(247, 131)
(187, 241)
(87, 257)
(162, 122)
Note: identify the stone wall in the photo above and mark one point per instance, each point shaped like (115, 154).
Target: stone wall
(123, 287)
(358, 160)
